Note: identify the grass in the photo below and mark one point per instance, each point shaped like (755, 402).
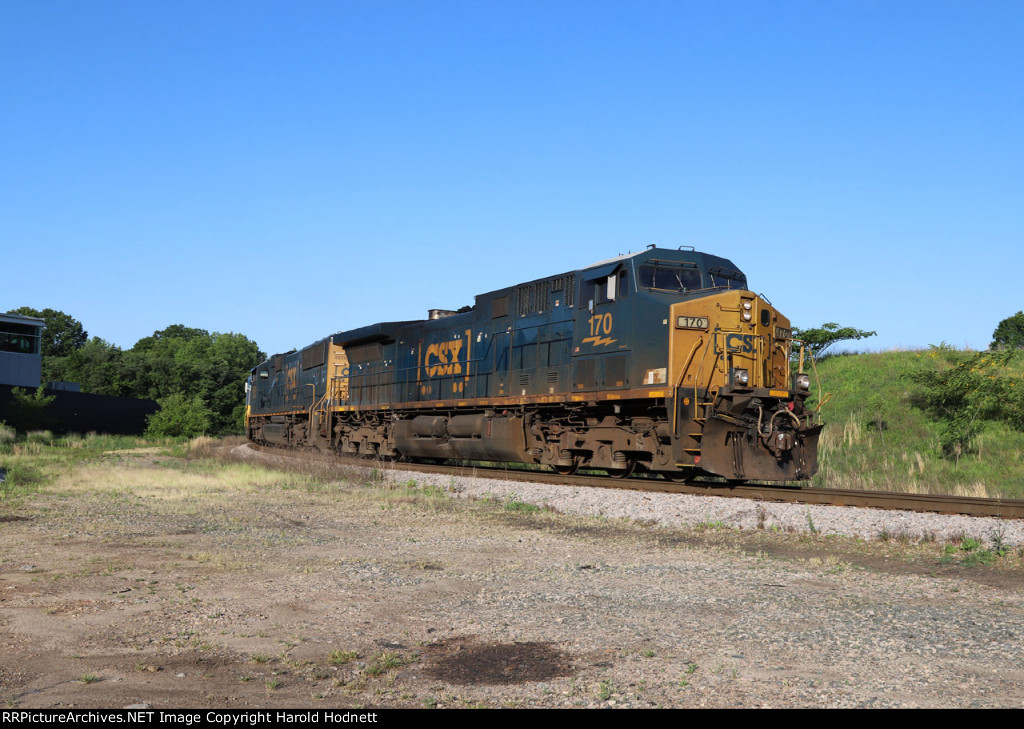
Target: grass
(386, 661)
(39, 458)
(970, 552)
(810, 523)
(409, 492)
(877, 438)
(340, 658)
(513, 503)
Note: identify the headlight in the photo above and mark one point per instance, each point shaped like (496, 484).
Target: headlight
(740, 377)
(801, 382)
(746, 311)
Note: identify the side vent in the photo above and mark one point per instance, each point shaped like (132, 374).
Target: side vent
(314, 356)
(615, 371)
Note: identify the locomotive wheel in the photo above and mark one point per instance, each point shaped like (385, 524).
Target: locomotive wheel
(622, 472)
(677, 476)
(567, 470)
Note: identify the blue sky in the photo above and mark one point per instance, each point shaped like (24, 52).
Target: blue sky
(290, 170)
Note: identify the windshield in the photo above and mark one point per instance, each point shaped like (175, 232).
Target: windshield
(670, 276)
(724, 278)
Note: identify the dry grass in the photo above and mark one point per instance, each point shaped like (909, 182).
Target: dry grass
(214, 468)
(217, 448)
(145, 478)
(853, 456)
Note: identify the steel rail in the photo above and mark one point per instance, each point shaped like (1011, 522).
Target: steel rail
(965, 505)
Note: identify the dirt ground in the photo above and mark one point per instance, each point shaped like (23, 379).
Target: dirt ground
(149, 581)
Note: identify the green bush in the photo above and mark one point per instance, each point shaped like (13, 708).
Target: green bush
(28, 412)
(976, 389)
(179, 416)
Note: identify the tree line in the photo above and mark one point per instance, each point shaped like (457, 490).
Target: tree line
(197, 377)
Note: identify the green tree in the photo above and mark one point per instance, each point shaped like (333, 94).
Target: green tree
(976, 389)
(179, 415)
(1010, 333)
(821, 338)
(212, 367)
(98, 366)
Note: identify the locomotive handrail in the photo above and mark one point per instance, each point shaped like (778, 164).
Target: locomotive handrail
(700, 369)
(785, 357)
(679, 382)
(323, 398)
(312, 405)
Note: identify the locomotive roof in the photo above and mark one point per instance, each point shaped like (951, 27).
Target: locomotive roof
(379, 332)
(707, 260)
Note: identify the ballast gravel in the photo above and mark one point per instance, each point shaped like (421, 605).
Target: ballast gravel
(678, 510)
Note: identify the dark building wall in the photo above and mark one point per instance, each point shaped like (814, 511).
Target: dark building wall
(21, 370)
(80, 412)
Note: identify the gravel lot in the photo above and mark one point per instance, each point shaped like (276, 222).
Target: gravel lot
(283, 593)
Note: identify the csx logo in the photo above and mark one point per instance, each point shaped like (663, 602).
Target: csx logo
(739, 343)
(442, 358)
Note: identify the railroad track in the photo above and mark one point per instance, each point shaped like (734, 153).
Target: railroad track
(969, 506)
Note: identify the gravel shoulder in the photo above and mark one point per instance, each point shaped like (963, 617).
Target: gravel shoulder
(162, 583)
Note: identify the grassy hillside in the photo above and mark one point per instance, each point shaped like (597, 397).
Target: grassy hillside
(876, 437)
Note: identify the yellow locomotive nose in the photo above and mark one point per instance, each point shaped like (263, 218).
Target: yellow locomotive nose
(732, 338)
(736, 413)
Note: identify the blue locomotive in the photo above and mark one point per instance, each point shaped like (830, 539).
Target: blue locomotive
(660, 359)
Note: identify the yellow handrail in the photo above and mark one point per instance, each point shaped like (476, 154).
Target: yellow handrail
(679, 380)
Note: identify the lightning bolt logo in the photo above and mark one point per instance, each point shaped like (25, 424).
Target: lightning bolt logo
(599, 341)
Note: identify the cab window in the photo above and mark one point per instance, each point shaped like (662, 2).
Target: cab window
(604, 290)
(724, 278)
(669, 276)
